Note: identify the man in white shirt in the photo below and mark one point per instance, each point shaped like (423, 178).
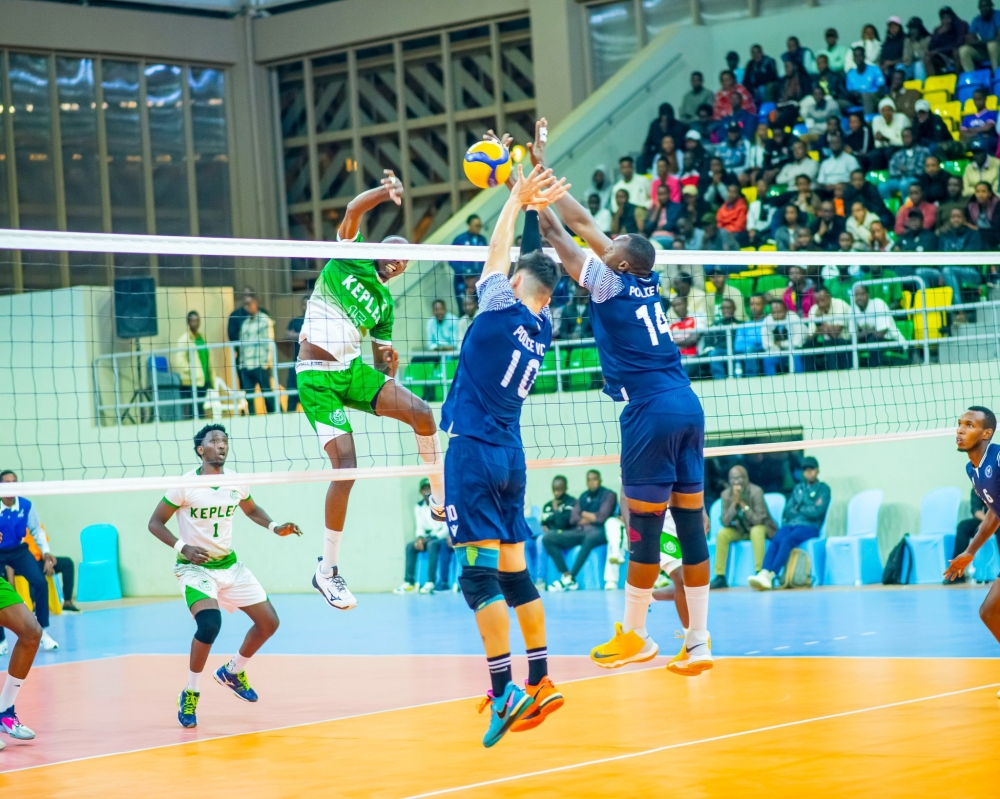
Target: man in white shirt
(801, 164)
(874, 324)
(816, 109)
(432, 538)
(441, 330)
(888, 126)
(637, 186)
(838, 166)
(829, 326)
(783, 332)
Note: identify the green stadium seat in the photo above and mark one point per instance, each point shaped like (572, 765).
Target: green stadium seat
(770, 283)
(893, 204)
(583, 358)
(876, 177)
(744, 285)
(547, 382)
(955, 168)
(776, 190)
(415, 375)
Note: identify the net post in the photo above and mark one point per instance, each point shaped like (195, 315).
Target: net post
(156, 389)
(275, 385)
(192, 355)
(118, 386)
(730, 360)
(923, 313)
(559, 389)
(444, 373)
(855, 358)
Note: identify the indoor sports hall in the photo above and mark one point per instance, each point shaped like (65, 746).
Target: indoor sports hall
(247, 256)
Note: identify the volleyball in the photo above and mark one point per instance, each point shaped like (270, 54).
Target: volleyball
(487, 164)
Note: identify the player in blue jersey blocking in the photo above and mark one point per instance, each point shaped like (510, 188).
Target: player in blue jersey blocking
(976, 429)
(662, 425)
(484, 467)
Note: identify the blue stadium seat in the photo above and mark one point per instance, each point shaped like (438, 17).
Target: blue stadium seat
(816, 549)
(99, 580)
(740, 566)
(853, 559)
(870, 117)
(714, 519)
(986, 565)
(932, 548)
(766, 108)
(775, 506)
(980, 77)
(965, 93)
(591, 576)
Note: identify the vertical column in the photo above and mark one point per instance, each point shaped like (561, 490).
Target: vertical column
(192, 181)
(15, 215)
(147, 167)
(404, 140)
(640, 25)
(501, 121)
(454, 173)
(753, 6)
(696, 13)
(279, 155)
(102, 162)
(352, 98)
(307, 78)
(57, 168)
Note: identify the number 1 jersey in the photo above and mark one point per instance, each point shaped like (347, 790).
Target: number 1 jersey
(638, 357)
(501, 354)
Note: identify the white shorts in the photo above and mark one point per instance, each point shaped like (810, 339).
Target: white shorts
(233, 588)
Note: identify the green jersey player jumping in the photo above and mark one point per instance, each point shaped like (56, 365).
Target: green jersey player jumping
(351, 299)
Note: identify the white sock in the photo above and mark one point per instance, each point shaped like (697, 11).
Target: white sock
(429, 448)
(697, 602)
(636, 608)
(237, 664)
(331, 549)
(194, 681)
(9, 693)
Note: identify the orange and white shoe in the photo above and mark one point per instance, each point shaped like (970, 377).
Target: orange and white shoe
(547, 700)
(694, 658)
(624, 648)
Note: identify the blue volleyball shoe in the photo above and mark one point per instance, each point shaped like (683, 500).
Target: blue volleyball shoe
(504, 711)
(237, 683)
(187, 705)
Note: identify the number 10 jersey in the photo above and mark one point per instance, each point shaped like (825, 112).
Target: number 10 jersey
(501, 354)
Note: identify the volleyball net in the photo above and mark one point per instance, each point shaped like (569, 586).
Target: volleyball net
(106, 375)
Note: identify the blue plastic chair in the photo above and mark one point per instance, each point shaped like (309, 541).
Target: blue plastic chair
(985, 566)
(853, 559)
(740, 566)
(765, 109)
(965, 93)
(870, 117)
(99, 580)
(775, 506)
(801, 129)
(816, 549)
(933, 546)
(714, 520)
(591, 576)
(975, 79)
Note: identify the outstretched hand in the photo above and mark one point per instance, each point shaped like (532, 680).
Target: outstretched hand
(393, 185)
(537, 147)
(538, 188)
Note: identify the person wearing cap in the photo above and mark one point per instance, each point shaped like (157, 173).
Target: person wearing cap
(981, 123)
(801, 520)
(905, 167)
(983, 168)
(942, 50)
(734, 151)
(891, 54)
(432, 538)
(695, 157)
(864, 81)
(834, 52)
(931, 131)
(981, 42)
(697, 96)
(888, 125)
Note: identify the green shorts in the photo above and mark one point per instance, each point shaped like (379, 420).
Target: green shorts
(324, 396)
(8, 596)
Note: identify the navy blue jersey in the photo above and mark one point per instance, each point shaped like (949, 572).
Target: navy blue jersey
(638, 357)
(501, 355)
(986, 477)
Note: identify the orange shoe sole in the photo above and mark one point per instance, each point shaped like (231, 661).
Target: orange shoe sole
(529, 723)
(691, 671)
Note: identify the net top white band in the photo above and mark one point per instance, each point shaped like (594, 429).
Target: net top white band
(58, 241)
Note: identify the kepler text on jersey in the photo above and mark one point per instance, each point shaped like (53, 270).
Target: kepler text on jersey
(532, 346)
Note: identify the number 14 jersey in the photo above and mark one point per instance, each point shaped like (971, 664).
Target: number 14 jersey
(501, 354)
(638, 357)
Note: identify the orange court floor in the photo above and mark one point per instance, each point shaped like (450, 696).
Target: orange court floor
(753, 726)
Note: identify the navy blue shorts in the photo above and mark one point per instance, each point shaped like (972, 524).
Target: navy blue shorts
(663, 441)
(484, 492)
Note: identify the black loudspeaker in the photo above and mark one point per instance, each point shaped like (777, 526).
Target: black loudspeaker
(135, 307)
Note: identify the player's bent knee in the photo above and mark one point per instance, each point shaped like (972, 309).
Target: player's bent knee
(480, 586)
(209, 625)
(691, 535)
(644, 537)
(517, 588)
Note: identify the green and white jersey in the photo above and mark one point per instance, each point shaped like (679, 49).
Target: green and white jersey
(349, 301)
(205, 516)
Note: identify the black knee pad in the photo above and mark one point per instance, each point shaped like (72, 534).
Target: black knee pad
(644, 537)
(691, 535)
(517, 588)
(209, 624)
(480, 586)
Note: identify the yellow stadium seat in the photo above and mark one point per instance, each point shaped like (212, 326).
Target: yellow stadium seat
(936, 298)
(949, 122)
(767, 248)
(914, 84)
(941, 83)
(750, 193)
(936, 98)
(970, 107)
(814, 155)
(953, 110)
(24, 591)
(956, 135)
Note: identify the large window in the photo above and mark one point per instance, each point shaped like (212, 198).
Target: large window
(413, 105)
(107, 145)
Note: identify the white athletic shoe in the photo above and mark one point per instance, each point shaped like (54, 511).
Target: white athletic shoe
(564, 584)
(427, 588)
(48, 642)
(610, 586)
(4, 647)
(334, 589)
(695, 656)
(762, 581)
(405, 588)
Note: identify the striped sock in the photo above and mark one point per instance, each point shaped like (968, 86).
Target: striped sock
(538, 664)
(500, 673)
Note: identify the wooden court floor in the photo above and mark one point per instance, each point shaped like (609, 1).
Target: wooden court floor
(804, 727)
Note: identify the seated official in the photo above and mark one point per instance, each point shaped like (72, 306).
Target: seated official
(594, 507)
(432, 538)
(744, 516)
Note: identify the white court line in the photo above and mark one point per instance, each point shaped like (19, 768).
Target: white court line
(684, 744)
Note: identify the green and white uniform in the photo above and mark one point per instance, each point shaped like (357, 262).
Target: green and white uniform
(349, 301)
(670, 547)
(8, 596)
(205, 519)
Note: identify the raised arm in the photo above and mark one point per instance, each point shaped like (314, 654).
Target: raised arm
(570, 253)
(576, 217)
(391, 189)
